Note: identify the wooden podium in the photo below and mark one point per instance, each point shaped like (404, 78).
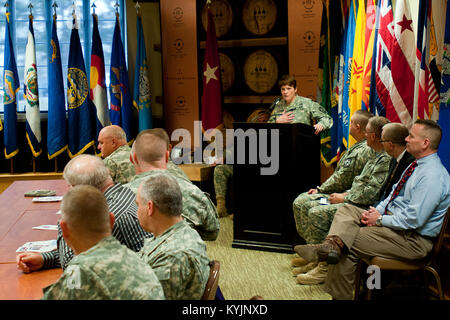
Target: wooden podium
(263, 215)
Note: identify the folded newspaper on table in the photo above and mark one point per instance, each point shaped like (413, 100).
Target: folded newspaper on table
(48, 199)
(46, 227)
(38, 246)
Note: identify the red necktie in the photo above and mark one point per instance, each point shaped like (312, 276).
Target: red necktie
(402, 182)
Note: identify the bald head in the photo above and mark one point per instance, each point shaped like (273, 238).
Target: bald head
(110, 138)
(85, 211)
(150, 147)
(87, 170)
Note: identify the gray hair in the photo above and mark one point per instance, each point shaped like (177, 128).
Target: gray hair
(88, 170)
(165, 193)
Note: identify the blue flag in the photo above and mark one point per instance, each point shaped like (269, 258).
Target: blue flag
(81, 114)
(141, 93)
(444, 113)
(121, 112)
(56, 126)
(11, 87)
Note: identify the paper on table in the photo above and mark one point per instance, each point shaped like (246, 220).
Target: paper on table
(46, 227)
(48, 199)
(38, 246)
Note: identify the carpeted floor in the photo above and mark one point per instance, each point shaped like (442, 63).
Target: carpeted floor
(246, 273)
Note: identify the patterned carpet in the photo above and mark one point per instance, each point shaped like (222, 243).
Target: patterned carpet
(246, 273)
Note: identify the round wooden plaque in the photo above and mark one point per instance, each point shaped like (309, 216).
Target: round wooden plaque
(260, 71)
(227, 71)
(222, 15)
(259, 115)
(259, 16)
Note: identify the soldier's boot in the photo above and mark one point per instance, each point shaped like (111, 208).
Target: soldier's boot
(317, 275)
(304, 269)
(298, 262)
(221, 207)
(329, 250)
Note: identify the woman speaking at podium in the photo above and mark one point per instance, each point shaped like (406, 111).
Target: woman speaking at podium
(292, 108)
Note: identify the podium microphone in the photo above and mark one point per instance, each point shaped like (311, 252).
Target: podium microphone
(273, 105)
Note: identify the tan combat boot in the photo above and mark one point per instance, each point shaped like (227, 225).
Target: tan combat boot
(221, 207)
(315, 276)
(298, 262)
(304, 269)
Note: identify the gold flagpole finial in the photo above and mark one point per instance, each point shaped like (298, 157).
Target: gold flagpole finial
(30, 6)
(138, 7)
(208, 3)
(93, 7)
(117, 5)
(54, 5)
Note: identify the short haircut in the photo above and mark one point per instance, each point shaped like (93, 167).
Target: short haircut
(362, 117)
(432, 131)
(287, 80)
(150, 146)
(377, 123)
(86, 169)
(85, 210)
(115, 131)
(396, 133)
(165, 193)
(163, 135)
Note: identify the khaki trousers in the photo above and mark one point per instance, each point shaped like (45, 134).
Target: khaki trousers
(366, 242)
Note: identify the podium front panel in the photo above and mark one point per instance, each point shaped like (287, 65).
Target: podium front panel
(263, 216)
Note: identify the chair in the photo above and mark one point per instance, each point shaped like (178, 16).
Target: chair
(213, 281)
(427, 263)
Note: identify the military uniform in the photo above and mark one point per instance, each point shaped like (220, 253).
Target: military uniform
(176, 171)
(313, 220)
(222, 173)
(119, 165)
(198, 209)
(106, 271)
(305, 111)
(178, 257)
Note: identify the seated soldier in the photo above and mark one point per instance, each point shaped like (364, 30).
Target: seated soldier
(348, 167)
(403, 226)
(364, 192)
(149, 156)
(102, 269)
(112, 142)
(90, 170)
(177, 254)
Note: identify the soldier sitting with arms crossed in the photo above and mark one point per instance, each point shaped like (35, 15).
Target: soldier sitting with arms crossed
(102, 269)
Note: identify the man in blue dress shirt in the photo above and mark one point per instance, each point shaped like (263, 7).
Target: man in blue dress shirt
(403, 226)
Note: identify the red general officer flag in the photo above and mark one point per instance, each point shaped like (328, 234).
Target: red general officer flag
(212, 88)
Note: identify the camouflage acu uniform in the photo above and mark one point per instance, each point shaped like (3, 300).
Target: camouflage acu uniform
(178, 257)
(119, 165)
(222, 173)
(106, 271)
(198, 209)
(314, 220)
(176, 171)
(305, 111)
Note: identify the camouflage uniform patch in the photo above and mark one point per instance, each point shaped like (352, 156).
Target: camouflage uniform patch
(119, 165)
(178, 257)
(106, 271)
(176, 171)
(222, 173)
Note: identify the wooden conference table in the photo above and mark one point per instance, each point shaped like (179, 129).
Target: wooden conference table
(18, 214)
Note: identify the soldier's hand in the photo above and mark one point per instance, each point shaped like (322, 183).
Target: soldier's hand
(29, 261)
(318, 127)
(313, 191)
(286, 117)
(336, 198)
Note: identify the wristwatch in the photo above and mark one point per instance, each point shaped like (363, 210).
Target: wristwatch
(378, 222)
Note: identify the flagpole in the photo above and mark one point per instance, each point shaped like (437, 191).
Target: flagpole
(11, 165)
